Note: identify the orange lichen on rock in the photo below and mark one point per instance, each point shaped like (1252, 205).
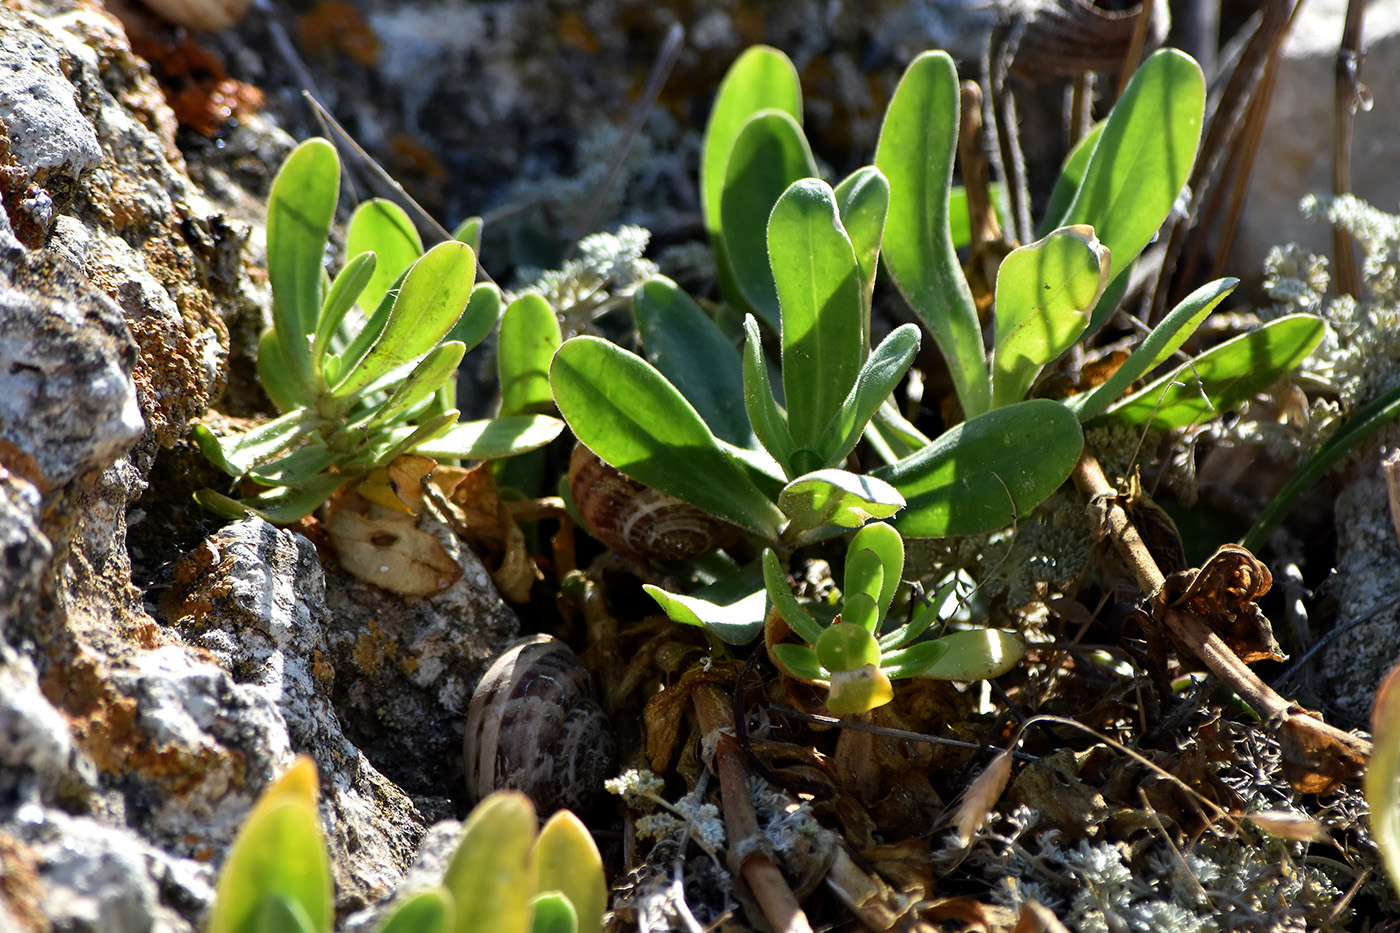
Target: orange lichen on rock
(197, 87)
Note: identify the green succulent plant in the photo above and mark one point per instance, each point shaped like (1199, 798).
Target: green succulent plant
(362, 367)
(858, 654)
(801, 257)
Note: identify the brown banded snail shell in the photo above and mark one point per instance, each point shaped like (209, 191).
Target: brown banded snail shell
(636, 520)
(534, 725)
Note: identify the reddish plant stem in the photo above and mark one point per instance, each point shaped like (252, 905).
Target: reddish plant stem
(748, 847)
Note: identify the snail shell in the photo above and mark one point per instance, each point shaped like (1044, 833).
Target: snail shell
(534, 725)
(636, 520)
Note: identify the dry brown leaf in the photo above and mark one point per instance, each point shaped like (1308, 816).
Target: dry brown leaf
(982, 794)
(388, 550)
(1287, 825)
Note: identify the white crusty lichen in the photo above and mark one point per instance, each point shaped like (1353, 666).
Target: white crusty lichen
(608, 268)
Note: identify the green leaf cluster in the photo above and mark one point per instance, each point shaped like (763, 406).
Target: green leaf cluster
(858, 654)
(362, 366)
(510, 876)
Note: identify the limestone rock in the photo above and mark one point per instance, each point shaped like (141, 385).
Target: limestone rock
(1295, 152)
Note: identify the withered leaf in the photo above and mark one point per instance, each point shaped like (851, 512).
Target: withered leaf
(388, 550)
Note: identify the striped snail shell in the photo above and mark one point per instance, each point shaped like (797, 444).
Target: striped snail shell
(636, 520)
(533, 725)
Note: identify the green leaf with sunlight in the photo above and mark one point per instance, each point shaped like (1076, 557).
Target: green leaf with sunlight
(837, 497)
(626, 412)
(1044, 294)
(493, 438)
(300, 209)
(983, 474)
(915, 153)
(1143, 158)
(818, 281)
(691, 351)
(761, 78)
(530, 335)
(432, 297)
(1161, 342)
(383, 228)
(769, 155)
(1224, 376)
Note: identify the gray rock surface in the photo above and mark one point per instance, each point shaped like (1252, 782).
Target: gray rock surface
(1295, 152)
(132, 746)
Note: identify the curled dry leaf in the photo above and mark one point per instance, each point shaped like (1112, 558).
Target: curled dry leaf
(385, 547)
(981, 796)
(1223, 593)
(480, 517)
(1382, 782)
(1287, 825)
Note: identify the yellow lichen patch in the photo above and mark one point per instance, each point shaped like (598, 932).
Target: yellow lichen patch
(373, 648)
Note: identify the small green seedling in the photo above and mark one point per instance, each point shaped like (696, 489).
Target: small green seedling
(858, 655)
(277, 877)
(510, 876)
(357, 388)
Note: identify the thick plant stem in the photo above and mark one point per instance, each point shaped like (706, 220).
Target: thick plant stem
(1321, 754)
(748, 848)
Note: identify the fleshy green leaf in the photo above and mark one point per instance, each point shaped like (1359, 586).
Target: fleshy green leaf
(978, 654)
(864, 573)
(768, 421)
(279, 914)
(761, 78)
(347, 287)
(383, 228)
(529, 336)
(914, 660)
(818, 282)
(432, 297)
(862, 610)
(1224, 376)
(567, 860)
(877, 379)
(300, 208)
(1067, 184)
(493, 438)
(980, 475)
(799, 661)
(886, 544)
(1164, 340)
(915, 153)
(863, 198)
(690, 350)
(837, 497)
(469, 232)
(552, 912)
(848, 644)
(736, 623)
(793, 613)
(277, 377)
(427, 911)
(1143, 157)
(483, 311)
(1044, 294)
(296, 468)
(491, 875)
(425, 379)
(238, 454)
(769, 155)
(280, 851)
(626, 412)
(282, 505)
